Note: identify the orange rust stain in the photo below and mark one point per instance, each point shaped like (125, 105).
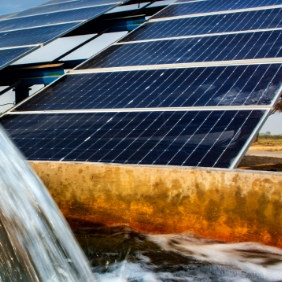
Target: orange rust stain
(224, 205)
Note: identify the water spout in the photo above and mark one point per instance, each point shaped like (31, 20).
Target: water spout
(36, 243)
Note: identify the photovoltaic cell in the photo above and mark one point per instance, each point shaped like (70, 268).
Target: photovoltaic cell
(202, 138)
(63, 7)
(7, 56)
(211, 86)
(54, 18)
(212, 6)
(34, 35)
(253, 45)
(250, 20)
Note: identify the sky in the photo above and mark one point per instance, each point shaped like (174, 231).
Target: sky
(272, 125)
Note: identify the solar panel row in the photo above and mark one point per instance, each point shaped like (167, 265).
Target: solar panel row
(144, 120)
(238, 46)
(248, 20)
(42, 24)
(200, 7)
(200, 138)
(206, 86)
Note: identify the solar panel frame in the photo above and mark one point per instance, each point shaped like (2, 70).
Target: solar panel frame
(204, 7)
(220, 23)
(192, 87)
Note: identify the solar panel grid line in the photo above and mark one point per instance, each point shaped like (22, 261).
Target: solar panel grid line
(249, 141)
(262, 20)
(208, 8)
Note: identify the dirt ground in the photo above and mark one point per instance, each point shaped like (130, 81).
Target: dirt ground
(265, 157)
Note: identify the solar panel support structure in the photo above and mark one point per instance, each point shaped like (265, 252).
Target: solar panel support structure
(21, 92)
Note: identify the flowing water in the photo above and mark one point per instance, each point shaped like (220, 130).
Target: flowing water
(120, 254)
(36, 243)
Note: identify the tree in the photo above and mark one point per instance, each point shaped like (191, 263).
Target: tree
(278, 106)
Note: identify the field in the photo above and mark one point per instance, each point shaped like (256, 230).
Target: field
(268, 142)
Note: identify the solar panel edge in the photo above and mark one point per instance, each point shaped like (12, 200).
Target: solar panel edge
(236, 162)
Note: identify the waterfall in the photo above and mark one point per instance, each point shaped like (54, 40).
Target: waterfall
(36, 242)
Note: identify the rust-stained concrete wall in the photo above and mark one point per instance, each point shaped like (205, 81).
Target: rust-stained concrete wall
(220, 204)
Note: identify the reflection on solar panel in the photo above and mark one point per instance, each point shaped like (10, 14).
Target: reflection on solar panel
(250, 20)
(241, 46)
(212, 86)
(64, 6)
(212, 6)
(204, 138)
(34, 36)
(54, 18)
(7, 56)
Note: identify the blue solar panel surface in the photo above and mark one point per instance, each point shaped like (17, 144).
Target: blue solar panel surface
(202, 138)
(34, 36)
(64, 6)
(54, 18)
(211, 86)
(252, 45)
(251, 20)
(212, 6)
(9, 55)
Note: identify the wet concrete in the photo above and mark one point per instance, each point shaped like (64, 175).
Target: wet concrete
(220, 204)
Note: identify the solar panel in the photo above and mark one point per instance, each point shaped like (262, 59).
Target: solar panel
(249, 20)
(202, 138)
(7, 56)
(240, 46)
(34, 36)
(192, 87)
(64, 7)
(212, 6)
(54, 18)
(173, 112)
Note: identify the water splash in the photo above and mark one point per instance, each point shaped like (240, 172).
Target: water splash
(35, 241)
(124, 255)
